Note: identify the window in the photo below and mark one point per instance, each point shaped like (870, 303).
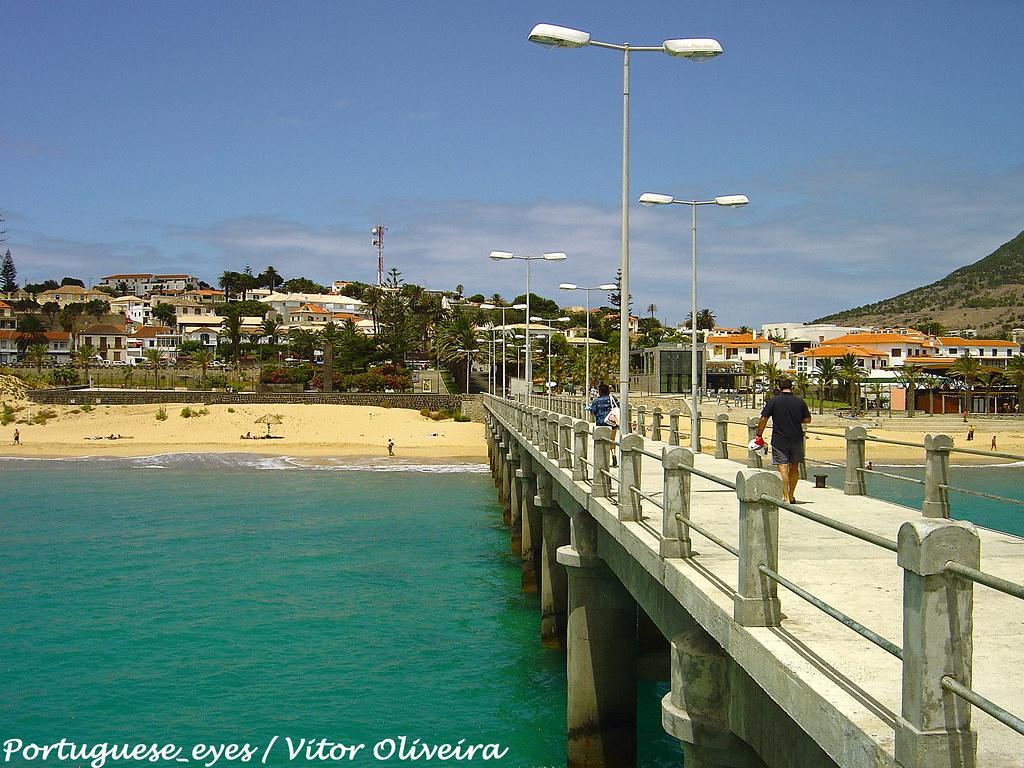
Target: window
(952, 351)
(895, 352)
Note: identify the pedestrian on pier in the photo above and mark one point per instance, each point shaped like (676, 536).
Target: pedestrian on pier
(788, 413)
(602, 408)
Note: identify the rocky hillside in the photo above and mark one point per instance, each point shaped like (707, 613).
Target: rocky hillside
(987, 296)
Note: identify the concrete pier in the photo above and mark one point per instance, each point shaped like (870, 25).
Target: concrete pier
(841, 635)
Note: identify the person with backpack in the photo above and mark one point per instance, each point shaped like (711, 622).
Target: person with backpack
(606, 414)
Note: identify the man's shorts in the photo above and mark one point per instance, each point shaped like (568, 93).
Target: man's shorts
(787, 454)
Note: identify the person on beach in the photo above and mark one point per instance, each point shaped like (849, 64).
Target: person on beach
(788, 413)
(601, 407)
(970, 433)
(17, 437)
(391, 447)
(993, 446)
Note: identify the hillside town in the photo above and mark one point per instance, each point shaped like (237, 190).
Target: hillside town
(128, 320)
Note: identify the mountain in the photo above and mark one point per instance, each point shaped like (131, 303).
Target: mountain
(987, 295)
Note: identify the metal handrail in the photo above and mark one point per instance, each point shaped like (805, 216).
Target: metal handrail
(712, 478)
(989, 454)
(858, 533)
(708, 535)
(969, 492)
(835, 613)
(904, 478)
(826, 462)
(985, 705)
(1005, 586)
(643, 495)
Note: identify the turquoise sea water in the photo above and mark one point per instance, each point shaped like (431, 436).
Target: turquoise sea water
(1005, 480)
(218, 600)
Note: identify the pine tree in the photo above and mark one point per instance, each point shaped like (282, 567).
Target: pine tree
(8, 274)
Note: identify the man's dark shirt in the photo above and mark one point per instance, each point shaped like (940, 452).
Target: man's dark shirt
(787, 412)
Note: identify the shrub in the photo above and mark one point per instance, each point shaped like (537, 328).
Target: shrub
(231, 410)
(296, 374)
(64, 377)
(43, 416)
(186, 412)
(217, 381)
(161, 414)
(86, 407)
(7, 414)
(425, 412)
(460, 416)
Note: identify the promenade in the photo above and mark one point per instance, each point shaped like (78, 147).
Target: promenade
(850, 695)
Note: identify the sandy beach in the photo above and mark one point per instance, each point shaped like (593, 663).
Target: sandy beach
(305, 430)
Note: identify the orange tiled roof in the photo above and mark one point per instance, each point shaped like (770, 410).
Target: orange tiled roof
(881, 338)
(314, 309)
(742, 340)
(150, 331)
(956, 341)
(838, 350)
(102, 329)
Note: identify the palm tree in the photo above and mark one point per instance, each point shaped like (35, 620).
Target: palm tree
(328, 337)
(30, 331)
(303, 343)
(826, 371)
(851, 372)
(232, 328)
(37, 355)
(875, 389)
(85, 356)
(750, 371)
(228, 283)
(155, 358)
(651, 309)
(771, 373)
(203, 358)
(910, 375)
(372, 298)
(802, 382)
(706, 319)
(269, 278)
(989, 379)
(1015, 375)
(966, 368)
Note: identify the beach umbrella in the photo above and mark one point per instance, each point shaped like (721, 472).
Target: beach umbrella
(268, 419)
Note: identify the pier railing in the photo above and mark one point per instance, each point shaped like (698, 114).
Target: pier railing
(940, 558)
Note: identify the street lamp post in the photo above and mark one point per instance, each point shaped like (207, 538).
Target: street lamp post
(587, 290)
(550, 324)
(469, 357)
(504, 332)
(505, 256)
(728, 201)
(694, 49)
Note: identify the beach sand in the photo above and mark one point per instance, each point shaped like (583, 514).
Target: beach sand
(305, 430)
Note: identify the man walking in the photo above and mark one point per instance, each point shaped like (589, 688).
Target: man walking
(788, 414)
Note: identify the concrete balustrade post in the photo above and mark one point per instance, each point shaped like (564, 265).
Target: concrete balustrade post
(722, 436)
(553, 435)
(601, 654)
(565, 442)
(535, 433)
(630, 475)
(656, 416)
(855, 484)
(581, 442)
(935, 728)
(641, 421)
(756, 602)
(675, 496)
(696, 710)
(602, 485)
(754, 459)
(936, 475)
(673, 426)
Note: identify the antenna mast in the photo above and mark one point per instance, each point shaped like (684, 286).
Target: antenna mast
(378, 240)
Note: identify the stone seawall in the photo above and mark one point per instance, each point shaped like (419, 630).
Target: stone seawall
(75, 396)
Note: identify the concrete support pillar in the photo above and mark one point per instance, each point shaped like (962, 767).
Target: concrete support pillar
(565, 442)
(673, 426)
(535, 431)
(581, 444)
(935, 728)
(552, 450)
(533, 531)
(522, 540)
(515, 497)
(756, 602)
(936, 475)
(855, 484)
(554, 581)
(697, 710)
(675, 533)
(722, 436)
(630, 475)
(602, 484)
(641, 421)
(754, 459)
(601, 658)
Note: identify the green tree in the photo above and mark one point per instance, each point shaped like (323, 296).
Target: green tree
(851, 372)
(826, 372)
(203, 358)
(771, 374)
(966, 369)
(909, 375)
(303, 344)
(231, 327)
(37, 355)
(8, 274)
(30, 331)
(1015, 375)
(96, 308)
(154, 359)
(302, 285)
(85, 358)
(165, 313)
(802, 382)
(228, 282)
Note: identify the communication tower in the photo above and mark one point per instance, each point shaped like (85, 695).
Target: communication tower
(378, 240)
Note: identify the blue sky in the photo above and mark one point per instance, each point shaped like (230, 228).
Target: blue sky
(880, 144)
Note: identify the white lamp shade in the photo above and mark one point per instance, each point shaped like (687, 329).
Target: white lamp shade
(554, 256)
(568, 286)
(518, 306)
(501, 255)
(653, 198)
(608, 287)
(694, 49)
(559, 37)
(488, 306)
(732, 200)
